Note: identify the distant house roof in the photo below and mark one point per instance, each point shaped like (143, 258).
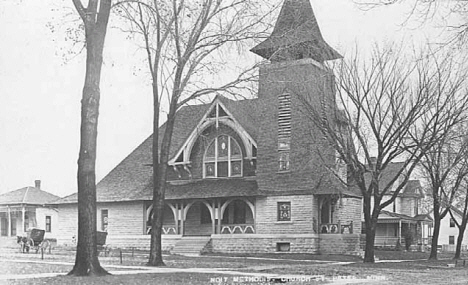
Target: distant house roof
(413, 189)
(27, 195)
(296, 34)
(390, 217)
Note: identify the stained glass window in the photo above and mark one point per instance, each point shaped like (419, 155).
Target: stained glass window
(223, 158)
(284, 211)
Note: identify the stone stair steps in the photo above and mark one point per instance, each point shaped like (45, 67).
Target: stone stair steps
(191, 245)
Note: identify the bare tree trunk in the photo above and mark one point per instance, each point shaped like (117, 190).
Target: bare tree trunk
(370, 241)
(86, 262)
(461, 232)
(370, 231)
(155, 258)
(435, 235)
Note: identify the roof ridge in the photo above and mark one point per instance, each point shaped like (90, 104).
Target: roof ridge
(25, 195)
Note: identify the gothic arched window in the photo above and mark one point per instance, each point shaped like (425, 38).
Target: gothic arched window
(223, 158)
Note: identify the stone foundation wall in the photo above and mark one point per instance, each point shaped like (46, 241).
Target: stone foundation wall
(263, 243)
(339, 244)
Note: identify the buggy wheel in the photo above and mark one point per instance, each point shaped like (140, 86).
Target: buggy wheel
(44, 245)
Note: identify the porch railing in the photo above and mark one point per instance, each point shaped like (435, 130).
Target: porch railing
(238, 229)
(166, 230)
(336, 228)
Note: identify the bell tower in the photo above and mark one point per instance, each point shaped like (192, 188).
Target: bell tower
(287, 144)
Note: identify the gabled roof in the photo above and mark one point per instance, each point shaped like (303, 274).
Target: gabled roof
(413, 189)
(296, 33)
(130, 179)
(27, 195)
(241, 116)
(387, 174)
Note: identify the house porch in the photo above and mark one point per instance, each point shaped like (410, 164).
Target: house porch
(16, 220)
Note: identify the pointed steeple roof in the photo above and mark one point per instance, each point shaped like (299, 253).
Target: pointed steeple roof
(296, 35)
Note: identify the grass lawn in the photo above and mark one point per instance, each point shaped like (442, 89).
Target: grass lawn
(140, 279)
(413, 272)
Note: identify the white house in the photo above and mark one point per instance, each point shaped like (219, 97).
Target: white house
(28, 208)
(448, 234)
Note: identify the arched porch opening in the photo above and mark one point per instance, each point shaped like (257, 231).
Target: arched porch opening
(238, 217)
(198, 219)
(169, 220)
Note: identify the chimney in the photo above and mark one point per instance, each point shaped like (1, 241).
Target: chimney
(37, 184)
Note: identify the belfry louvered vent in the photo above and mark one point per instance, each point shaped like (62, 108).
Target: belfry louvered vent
(284, 120)
(284, 131)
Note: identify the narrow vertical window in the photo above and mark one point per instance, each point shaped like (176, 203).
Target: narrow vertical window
(284, 131)
(451, 239)
(48, 224)
(452, 223)
(284, 211)
(104, 220)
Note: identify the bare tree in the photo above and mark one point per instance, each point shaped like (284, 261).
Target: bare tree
(445, 167)
(463, 220)
(183, 42)
(95, 18)
(455, 14)
(386, 106)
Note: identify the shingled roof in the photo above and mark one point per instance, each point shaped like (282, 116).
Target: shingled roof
(131, 178)
(296, 35)
(27, 195)
(390, 217)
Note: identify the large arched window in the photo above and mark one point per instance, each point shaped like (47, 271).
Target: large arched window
(223, 158)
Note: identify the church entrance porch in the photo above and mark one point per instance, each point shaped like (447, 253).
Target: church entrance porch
(205, 217)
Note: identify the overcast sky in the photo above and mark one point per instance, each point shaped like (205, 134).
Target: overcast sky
(40, 86)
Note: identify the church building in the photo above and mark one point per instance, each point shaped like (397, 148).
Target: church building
(245, 176)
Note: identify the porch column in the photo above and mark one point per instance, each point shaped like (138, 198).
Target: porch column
(24, 220)
(182, 215)
(176, 217)
(214, 215)
(219, 217)
(9, 221)
(399, 231)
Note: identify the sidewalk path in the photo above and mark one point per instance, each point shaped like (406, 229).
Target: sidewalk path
(218, 272)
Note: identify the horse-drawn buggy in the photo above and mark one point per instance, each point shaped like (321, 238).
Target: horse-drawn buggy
(34, 240)
(101, 238)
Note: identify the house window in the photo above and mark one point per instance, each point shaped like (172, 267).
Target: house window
(451, 239)
(104, 220)
(416, 207)
(452, 223)
(394, 206)
(48, 224)
(223, 158)
(284, 211)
